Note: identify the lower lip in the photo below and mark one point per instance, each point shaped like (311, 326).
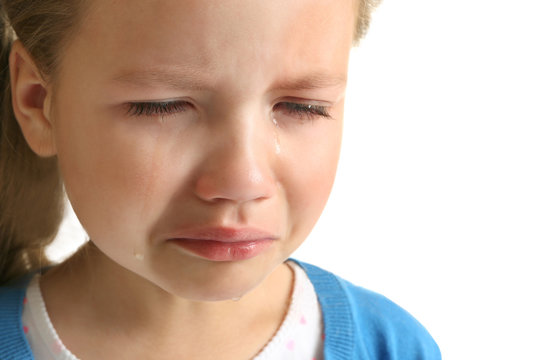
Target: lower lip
(224, 251)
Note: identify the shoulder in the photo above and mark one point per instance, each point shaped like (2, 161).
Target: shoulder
(11, 297)
(379, 328)
(13, 343)
(393, 332)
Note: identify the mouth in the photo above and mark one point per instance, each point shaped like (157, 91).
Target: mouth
(224, 244)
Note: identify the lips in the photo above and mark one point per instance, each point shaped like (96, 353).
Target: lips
(223, 244)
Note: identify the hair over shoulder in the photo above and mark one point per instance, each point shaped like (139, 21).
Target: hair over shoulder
(31, 190)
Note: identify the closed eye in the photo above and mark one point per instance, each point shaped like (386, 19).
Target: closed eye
(158, 108)
(303, 111)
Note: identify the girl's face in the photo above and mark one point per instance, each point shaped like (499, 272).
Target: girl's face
(199, 117)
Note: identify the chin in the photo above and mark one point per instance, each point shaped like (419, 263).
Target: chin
(213, 291)
(214, 281)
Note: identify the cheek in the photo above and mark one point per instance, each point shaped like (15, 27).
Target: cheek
(311, 168)
(109, 175)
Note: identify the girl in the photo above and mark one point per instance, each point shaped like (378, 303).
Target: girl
(197, 141)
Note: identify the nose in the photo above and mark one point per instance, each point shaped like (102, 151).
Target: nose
(237, 167)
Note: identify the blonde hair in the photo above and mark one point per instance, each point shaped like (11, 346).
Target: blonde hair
(365, 9)
(31, 189)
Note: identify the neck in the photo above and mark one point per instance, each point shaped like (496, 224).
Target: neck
(89, 290)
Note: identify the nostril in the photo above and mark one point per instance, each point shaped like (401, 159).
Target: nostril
(205, 188)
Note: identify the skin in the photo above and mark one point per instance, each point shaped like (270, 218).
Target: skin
(234, 158)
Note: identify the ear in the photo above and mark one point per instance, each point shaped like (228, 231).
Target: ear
(31, 101)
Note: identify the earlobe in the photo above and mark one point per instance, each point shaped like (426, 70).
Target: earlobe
(31, 100)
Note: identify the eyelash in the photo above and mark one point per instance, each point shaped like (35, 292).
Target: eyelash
(303, 111)
(156, 108)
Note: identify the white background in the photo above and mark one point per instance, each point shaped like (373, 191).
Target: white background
(437, 199)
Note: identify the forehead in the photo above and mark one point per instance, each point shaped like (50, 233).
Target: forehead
(217, 38)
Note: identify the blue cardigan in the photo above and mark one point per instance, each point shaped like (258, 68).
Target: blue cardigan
(358, 324)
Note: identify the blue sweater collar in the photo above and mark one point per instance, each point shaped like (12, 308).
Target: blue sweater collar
(339, 329)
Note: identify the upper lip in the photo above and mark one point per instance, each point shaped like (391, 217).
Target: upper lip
(223, 234)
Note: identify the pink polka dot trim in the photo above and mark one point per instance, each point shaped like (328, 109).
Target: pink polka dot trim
(57, 347)
(290, 345)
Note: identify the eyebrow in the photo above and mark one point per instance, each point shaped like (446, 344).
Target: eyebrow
(311, 82)
(192, 80)
(189, 80)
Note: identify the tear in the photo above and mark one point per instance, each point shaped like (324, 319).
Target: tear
(277, 143)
